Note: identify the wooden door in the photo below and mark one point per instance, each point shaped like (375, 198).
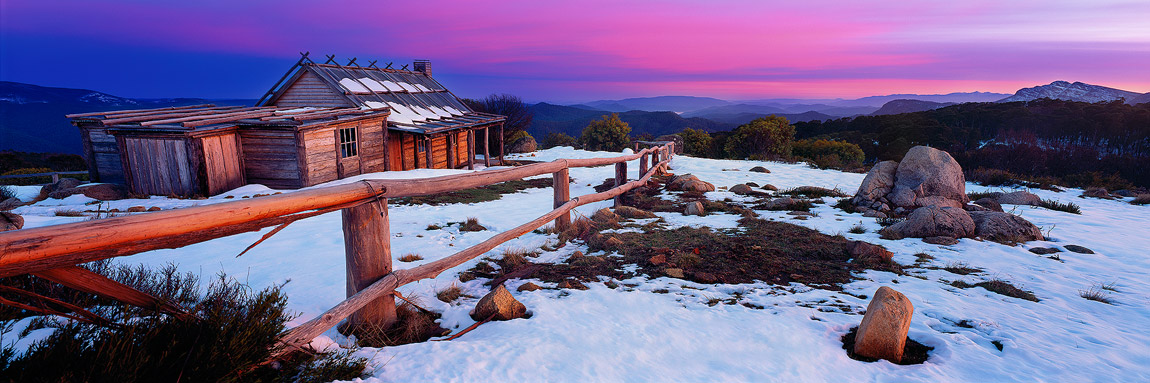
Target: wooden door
(223, 163)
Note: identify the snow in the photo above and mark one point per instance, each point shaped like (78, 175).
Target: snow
(408, 87)
(638, 334)
(353, 86)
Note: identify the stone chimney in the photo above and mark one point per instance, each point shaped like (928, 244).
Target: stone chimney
(422, 66)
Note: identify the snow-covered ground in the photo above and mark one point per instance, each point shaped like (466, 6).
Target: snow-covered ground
(636, 334)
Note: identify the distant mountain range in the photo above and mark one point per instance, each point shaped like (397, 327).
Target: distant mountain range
(32, 117)
(570, 120)
(1077, 91)
(909, 106)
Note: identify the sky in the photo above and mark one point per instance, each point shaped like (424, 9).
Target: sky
(572, 51)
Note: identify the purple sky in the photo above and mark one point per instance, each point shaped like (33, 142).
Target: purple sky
(584, 50)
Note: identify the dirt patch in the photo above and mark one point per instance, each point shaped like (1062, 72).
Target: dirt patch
(479, 194)
(1000, 287)
(912, 353)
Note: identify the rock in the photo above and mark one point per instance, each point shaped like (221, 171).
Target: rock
(688, 182)
(63, 183)
(136, 209)
(695, 208)
(1124, 193)
(1097, 193)
(779, 203)
(939, 201)
(523, 145)
(940, 240)
(924, 172)
(500, 303)
(1044, 250)
(1019, 198)
(528, 287)
(882, 333)
(878, 182)
(1079, 249)
(741, 189)
(64, 193)
(760, 169)
(934, 221)
(989, 203)
(1004, 227)
(634, 213)
(10, 204)
(674, 273)
(154, 208)
(752, 184)
(870, 213)
(10, 221)
(572, 284)
(106, 192)
(974, 207)
(770, 187)
(865, 251)
(658, 260)
(605, 216)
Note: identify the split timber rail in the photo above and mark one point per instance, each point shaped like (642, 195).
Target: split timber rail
(53, 252)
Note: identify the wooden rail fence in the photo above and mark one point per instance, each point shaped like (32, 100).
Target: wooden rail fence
(53, 252)
(55, 175)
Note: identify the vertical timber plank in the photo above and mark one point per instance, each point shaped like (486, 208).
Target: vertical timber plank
(470, 149)
(367, 249)
(487, 146)
(642, 165)
(620, 179)
(562, 185)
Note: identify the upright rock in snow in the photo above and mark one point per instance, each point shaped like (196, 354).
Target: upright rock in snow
(926, 172)
(882, 333)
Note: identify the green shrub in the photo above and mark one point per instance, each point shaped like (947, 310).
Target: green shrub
(763, 138)
(696, 142)
(517, 135)
(608, 134)
(558, 139)
(828, 154)
(232, 332)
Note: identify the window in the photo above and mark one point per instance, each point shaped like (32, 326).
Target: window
(347, 143)
(421, 145)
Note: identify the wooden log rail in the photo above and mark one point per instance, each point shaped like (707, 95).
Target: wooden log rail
(371, 282)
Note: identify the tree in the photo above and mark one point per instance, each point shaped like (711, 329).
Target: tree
(696, 142)
(608, 134)
(518, 114)
(762, 138)
(554, 139)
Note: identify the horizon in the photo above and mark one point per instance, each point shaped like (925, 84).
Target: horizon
(596, 50)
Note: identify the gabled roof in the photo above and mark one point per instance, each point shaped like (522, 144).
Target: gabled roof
(418, 103)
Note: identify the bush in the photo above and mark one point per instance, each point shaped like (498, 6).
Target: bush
(1141, 199)
(608, 134)
(558, 139)
(28, 180)
(763, 138)
(472, 224)
(1068, 207)
(7, 192)
(449, 294)
(232, 333)
(696, 142)
(827, 154)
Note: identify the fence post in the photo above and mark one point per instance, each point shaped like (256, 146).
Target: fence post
(55, 177)
(642, 165)
(620, 179)
(562, 185)
(367, 249)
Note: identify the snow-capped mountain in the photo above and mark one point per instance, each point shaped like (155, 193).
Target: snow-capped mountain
(1077, 91)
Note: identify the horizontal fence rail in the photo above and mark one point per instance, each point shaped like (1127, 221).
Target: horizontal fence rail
(52, 249)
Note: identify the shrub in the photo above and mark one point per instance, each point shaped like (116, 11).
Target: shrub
(28, 180)
(1141, 199)
(433, 227)
(845, 204)
(999, 286)
(558, 139)
(762, 138)
(608, 134)
(858, 229)
(449, 294)
(1068, 207)
(696, 142)
(1096, 293)
(827, 154)
(990, 177)
(233, 332)
(518, 134)
(7, 192)
(68, 213)
(472, 224)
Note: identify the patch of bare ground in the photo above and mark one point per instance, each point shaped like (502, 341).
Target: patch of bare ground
(913, 352)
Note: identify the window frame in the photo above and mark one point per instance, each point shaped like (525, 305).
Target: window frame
(348, 142)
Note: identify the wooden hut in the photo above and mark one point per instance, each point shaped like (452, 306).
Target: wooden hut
(206, 150)
(318, 123)
(430, 125)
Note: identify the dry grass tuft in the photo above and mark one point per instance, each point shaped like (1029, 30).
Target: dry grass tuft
(411, 257)
(472, 224)
(449, 294)
(68, 213)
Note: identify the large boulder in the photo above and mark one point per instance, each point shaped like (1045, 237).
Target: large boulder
(523, 145)
(62, 184)
(106, 192)
(924, 172)
(934, 221)
(689, 182)
(10, 221)
(10, 204)
(882, 333)
(741, 189)
(1020, 197)
(989, 203)
(1004, 227)
(760, 169)
(878, 182)
(694, 208)
(499, 303)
